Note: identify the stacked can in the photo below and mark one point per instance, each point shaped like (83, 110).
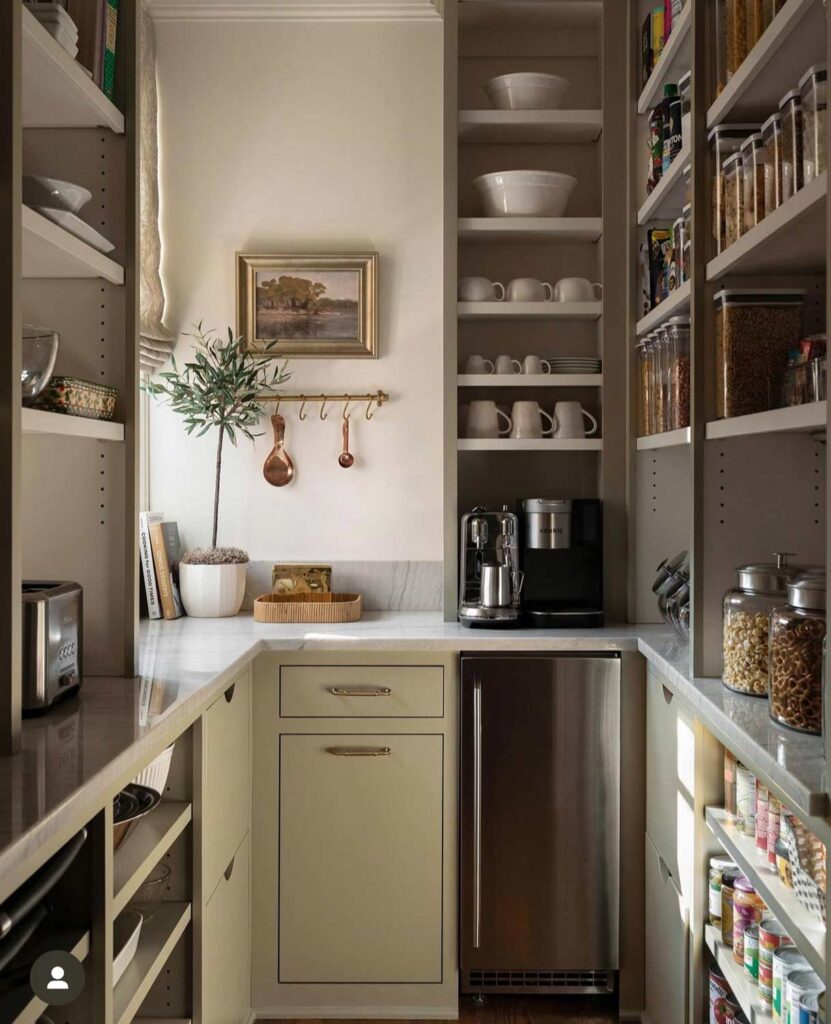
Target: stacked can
(751, 953)
(786, 960)
(748, 909)
(798, 985)
(771, 936)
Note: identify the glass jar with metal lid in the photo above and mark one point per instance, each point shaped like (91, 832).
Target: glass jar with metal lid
(797, 630)
(746, 621)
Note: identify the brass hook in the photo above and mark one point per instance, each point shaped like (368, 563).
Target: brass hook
(346, 409)
(277, 407)
(322, 408)
(369, 412)
(302, 413)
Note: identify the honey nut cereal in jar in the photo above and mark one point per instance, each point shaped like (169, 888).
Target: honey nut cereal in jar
(797, 630)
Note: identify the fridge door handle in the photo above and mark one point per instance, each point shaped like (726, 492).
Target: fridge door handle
(477, 813)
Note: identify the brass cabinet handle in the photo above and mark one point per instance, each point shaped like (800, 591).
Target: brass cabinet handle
(359, 751)
(361, 691)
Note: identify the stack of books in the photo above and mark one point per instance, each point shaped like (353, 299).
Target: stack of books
(88, 28)
(159, 552)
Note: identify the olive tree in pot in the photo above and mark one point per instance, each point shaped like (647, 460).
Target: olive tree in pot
(220, 388)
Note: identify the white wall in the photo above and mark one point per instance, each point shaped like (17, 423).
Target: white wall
(309, 136)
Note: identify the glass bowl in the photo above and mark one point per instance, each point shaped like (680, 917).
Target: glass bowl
(37, 360)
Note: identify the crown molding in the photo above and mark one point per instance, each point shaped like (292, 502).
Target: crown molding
(293, 10)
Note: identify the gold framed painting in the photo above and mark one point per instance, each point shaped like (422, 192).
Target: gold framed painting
(313, 306)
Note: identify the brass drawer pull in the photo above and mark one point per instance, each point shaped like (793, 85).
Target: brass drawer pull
(359, 751)
(363, 691)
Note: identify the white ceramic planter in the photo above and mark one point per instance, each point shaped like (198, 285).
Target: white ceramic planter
(212, 591)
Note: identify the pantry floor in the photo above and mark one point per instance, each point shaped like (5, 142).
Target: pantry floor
(521, 1010)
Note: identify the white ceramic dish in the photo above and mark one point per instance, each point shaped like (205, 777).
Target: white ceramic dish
(77, 227)
(54, 193)
(526, 90)
(155, 774)
(524, 193)
(126, 932)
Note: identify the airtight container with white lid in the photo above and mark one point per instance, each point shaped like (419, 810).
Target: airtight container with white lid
(812, 89)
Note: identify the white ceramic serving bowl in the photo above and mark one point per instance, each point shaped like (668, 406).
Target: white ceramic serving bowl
(526, 90)
(126, 932)
(524, 193)
(155, 774)
(54, 193)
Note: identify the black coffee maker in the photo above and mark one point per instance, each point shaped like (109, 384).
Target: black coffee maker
(561, 555)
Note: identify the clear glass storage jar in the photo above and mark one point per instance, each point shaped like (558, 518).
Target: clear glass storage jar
(733, 175)
(735, 35)
(662, 390)
(790, 110)
(755, 329)
(797, 630)
(812, 89)
(756, 22)
(772, 141)
(724, 140)
(677, 332)
(753, 181)
(746, 621)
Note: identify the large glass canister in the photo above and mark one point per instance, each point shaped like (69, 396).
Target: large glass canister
(677, 333)
(661, 377)
(812, 88)
(732, 173)
(755, 330)
(797, 630)
(724, 140)
(746, 621)
(753, 181)
(772, 142)
(790, 110)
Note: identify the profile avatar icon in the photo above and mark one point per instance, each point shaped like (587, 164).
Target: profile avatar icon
(57, 982)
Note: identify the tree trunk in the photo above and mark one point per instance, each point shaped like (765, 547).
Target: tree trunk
(216, 486)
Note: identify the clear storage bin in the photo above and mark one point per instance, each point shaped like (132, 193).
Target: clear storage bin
(735, 35)
(790, 109)
(756, 22)
(724, 140)
(661, 380)
(720, 18)
(772, 141)
(677, 333)
(753, 181)
(733, 174)
(755, 329)
(644, 387)
(812, 89)
(797, 630)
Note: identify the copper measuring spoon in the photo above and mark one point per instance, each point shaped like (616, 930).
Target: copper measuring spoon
(278, 468)
(346, 459)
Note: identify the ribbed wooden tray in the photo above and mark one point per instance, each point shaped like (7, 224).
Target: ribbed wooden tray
(308, 608)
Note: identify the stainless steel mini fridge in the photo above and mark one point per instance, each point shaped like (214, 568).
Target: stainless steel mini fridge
(540, 823)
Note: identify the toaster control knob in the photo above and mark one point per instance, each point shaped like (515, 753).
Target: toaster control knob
(67, 679)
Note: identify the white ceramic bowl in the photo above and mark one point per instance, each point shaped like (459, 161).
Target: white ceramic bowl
(155, 774)
(524, 193)
(526, 90)
(126, 932)
(54, 193)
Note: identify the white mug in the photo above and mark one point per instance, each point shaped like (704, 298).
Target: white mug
(483, 420)
(529, 289)
(577, 289)
(480, 289)
(527, 420)
(533, 364)
(568, 420)
(478, 364)
(507, 364)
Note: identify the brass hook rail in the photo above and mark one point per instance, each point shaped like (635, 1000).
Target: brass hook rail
(377, 398)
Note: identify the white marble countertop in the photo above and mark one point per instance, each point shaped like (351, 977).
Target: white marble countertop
(76, 756)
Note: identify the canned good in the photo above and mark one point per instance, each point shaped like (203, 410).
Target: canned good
(727, 911)
(748, 908)
(772, 935)
(786, 959)
(774, 810)
(751, 952)
(719, 868)
(809, 1009)
(746, 801)
(797, 985)
(719, 994)
(762, 804)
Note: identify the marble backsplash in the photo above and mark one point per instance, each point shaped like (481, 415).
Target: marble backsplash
(385, 586)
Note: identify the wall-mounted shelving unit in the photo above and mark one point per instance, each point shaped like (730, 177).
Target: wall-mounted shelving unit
(538, 444)
(530, 380)
(39, 421)
(529, 229)
(530, 310)
(528, 127)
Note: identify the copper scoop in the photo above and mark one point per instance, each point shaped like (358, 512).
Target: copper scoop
(278, 468)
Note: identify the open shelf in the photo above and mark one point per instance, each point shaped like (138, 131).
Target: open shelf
(50, 251)
(158, 938)
(19, 1006)
(57, 92)
(530, 380)
(540, 15)
(668, 439)
(806, 418)
(801, 926)
(793, 41)
(677, 302)
(746, 993)
(39, 421)
(666, 201)
(530, 310)
(152, 837)
(530, 229)
(672, 64)
(529, 126)
(789, 240)
(538, 444)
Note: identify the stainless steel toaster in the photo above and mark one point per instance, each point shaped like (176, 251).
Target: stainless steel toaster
(52, 641)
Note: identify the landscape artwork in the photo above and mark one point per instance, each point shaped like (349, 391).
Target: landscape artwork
(308, 306)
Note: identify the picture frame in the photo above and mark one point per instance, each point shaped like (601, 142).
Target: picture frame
(315, 306)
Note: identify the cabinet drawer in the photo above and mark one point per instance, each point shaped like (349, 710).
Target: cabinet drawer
(667, 944)
(226, 800)
(360, 852)
(361, 691)
(226, 973)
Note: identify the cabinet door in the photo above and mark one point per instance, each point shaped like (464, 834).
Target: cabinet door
(360, 832)
(667, 944)
(226, 972)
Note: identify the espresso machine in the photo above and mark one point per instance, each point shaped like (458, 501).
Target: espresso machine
(561, 556)
(490, 582)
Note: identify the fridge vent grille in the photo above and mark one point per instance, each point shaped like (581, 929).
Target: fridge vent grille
(566, 982)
